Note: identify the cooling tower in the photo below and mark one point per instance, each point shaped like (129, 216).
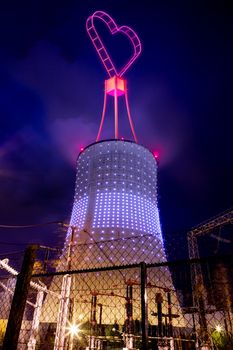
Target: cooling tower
(115, 202)
(115, 222)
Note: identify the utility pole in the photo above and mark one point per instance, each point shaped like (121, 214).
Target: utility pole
(19, 300)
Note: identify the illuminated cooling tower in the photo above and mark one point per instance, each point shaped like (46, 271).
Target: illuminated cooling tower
(116, 201)
(114, 221)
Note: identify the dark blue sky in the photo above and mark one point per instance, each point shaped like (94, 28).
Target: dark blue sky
(51, 92)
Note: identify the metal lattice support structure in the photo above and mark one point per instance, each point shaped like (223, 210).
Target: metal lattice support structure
(205, 228)
(201, 230)
(198, 288)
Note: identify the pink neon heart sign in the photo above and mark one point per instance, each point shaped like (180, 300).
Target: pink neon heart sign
(100, 48)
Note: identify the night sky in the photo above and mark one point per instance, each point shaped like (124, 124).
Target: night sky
(51, 95)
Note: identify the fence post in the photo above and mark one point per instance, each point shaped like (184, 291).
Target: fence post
(144, 306)
(19, 299)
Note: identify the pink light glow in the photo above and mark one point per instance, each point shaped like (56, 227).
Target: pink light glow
(100, 48)
(81, 149)
(156, 154)
(115, 83)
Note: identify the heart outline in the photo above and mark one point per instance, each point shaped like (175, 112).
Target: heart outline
(100, 47)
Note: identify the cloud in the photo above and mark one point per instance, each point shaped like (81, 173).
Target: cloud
(65, 91)
(72, 97)
(162, 123)
(72, 134)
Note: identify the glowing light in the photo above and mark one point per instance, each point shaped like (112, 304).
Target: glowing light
(156, 154)
(127, 210)
(73, 329)
(78, 214)
(115, 85)
(100, 48)
(218, 328)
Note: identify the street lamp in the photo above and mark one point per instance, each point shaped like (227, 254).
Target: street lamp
(72, 331)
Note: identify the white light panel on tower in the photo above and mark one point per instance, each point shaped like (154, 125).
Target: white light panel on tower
(78, 214)
(126, 211)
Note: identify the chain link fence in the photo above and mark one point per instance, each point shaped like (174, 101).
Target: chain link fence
(174, 305)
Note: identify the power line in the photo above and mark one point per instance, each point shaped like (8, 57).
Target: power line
(34, 225)
(12, 253)
(15, 244)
